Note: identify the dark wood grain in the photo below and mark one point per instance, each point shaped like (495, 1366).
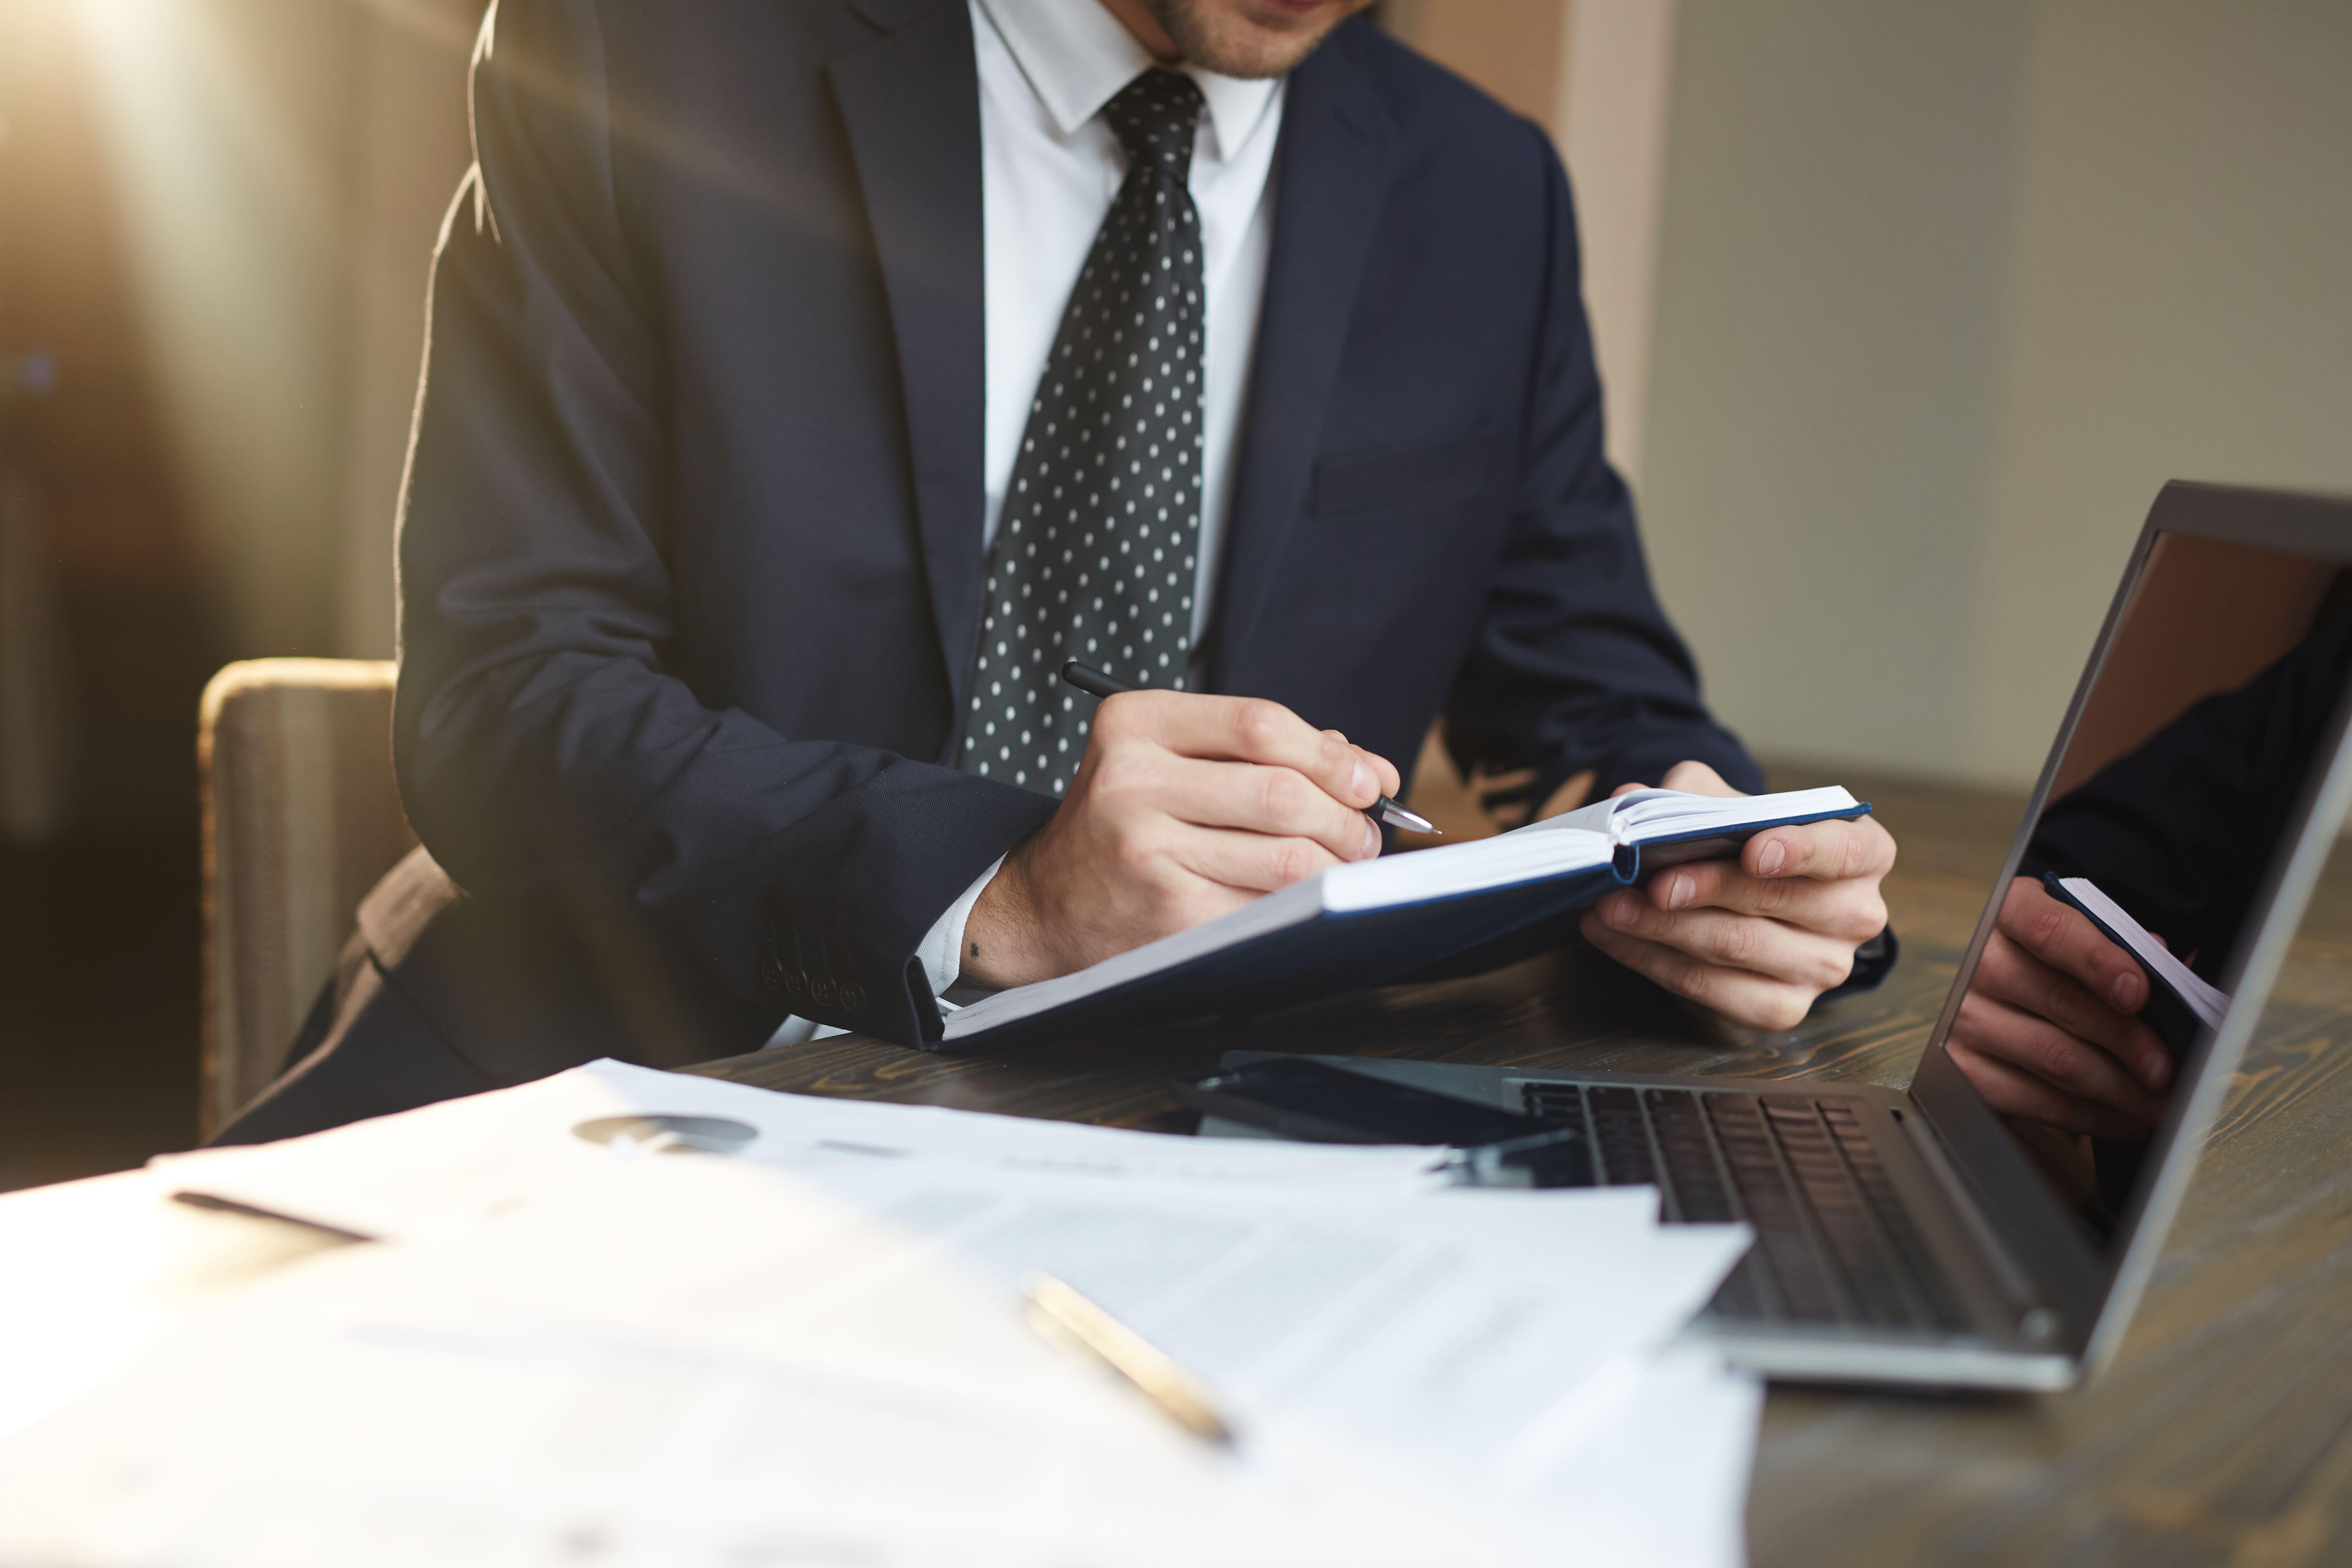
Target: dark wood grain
(2223, 1434)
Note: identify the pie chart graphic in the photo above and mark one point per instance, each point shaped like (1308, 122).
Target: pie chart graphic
(669, 1134)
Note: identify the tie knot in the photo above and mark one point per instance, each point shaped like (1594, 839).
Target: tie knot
(1155, 117)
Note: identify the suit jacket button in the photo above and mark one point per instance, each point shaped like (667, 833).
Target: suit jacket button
(796, 983)
(853, 997)
(821, 990)
(771, 972)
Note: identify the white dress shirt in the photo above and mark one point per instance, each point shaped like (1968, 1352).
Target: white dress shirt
(1049, 170)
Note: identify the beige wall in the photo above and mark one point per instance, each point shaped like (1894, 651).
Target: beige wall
(1611, 115)
(1510, 48)
(2178, 302)
(1944, 294)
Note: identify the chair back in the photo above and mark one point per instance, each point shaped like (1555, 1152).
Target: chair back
(301, 815)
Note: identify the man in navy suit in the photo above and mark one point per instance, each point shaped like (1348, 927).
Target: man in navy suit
(783, 352)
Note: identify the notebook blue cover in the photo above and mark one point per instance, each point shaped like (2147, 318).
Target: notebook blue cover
(1334, 951)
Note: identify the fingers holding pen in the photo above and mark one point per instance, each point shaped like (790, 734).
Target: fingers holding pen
(1238, 798)
(1248, 730)
(1185, 807)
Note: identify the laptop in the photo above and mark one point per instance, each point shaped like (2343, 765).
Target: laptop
(1950, 1235)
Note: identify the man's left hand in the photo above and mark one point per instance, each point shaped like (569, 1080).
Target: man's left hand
(1754, 940)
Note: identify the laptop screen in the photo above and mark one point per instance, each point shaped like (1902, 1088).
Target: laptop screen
(2144, 880)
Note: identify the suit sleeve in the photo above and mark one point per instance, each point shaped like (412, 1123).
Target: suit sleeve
(546, 755)
(1574, 664)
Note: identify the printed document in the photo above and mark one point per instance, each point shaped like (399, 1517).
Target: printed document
(688, 1361)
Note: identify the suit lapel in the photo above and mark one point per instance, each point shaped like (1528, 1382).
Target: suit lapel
(911, 102)
(1331, 180)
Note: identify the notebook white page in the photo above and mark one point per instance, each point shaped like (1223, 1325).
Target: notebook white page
(1644, 816)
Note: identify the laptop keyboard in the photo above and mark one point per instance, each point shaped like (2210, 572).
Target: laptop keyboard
(1833, 1243)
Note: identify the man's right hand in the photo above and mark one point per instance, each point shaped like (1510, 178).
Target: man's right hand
(1185, 808)
(2048, 1031)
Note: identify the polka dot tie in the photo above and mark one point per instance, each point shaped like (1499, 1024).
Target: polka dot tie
(1099, 539)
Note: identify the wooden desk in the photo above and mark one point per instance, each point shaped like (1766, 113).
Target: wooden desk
(2223, 1434)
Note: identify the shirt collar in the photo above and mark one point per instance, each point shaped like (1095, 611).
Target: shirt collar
(1077, 56)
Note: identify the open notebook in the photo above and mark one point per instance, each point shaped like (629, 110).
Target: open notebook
(1374, 921)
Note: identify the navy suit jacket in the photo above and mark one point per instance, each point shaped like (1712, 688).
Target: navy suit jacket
(691, 558)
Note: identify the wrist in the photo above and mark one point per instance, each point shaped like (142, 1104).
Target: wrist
(1003, 940)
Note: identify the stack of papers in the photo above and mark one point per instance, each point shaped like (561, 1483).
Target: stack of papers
(628, 1317)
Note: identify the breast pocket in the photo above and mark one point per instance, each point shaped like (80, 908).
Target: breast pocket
(1406, 479)
(1396, 542)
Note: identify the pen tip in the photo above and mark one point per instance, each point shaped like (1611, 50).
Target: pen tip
(1396, 816)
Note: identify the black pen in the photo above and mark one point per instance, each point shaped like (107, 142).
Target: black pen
(1095, 683)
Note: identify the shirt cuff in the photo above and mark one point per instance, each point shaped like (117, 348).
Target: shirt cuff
(941, 949)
